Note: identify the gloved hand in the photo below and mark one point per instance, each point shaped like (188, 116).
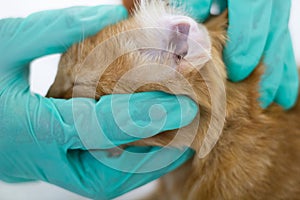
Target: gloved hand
(257, 29)
(60, 141)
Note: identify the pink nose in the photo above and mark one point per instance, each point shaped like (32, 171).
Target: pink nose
(190, 39)
(182, 24)
(181, 27)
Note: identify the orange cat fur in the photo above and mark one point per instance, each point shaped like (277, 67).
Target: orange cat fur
(258, 153)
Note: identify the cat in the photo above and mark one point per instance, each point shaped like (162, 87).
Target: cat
(241, 150)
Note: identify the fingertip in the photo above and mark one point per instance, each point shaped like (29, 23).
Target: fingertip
(287, 95)
(265, 100)
(239, 62)
(189, 109)
(237, 68)
(178, 110)
(269, 87)
(288, 90)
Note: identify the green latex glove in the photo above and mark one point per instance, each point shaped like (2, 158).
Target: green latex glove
(257, 29)
(51, 139)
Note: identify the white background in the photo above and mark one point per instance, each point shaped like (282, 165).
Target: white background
(43, 72)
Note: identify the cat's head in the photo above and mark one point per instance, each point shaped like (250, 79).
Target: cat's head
(158, 48)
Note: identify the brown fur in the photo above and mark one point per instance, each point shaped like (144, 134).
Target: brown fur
(257, 155)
